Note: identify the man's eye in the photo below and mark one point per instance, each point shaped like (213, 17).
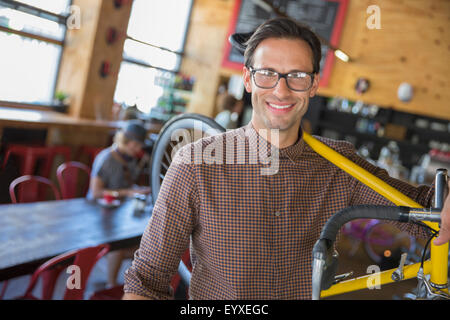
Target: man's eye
(267, 73)
(298, 75)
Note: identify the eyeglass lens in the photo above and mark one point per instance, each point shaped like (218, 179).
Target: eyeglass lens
(298, 81)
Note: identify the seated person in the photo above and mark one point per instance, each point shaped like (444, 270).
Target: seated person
(115, 170)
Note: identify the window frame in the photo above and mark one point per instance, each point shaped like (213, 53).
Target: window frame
(180, 53)
(44, 14)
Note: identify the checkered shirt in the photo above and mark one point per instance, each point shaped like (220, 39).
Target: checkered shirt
(250, 235)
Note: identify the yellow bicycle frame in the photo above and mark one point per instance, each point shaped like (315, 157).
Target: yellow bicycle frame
(436, 266)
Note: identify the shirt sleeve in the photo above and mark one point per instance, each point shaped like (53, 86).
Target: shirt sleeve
(362, 194)
(167, 234)
(100, 167)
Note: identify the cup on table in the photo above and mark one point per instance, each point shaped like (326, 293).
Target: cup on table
(110, 196)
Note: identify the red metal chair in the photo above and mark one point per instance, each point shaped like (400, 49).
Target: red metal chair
(4, 287)
(186, 258)
(29, 156)
(90, 152)
(83, 259)
(116, 293)
(68, 178)
(29, 190)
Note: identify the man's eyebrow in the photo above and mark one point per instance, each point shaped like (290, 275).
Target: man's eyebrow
(266, 68)
(298, 70)
(290, 71)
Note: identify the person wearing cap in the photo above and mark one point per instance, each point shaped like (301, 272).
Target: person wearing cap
(115, 171)
(117, 168)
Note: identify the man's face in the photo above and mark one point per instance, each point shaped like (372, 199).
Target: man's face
(280, 107)
(133, 148)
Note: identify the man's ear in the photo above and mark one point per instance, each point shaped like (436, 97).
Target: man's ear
(247, 78)
(315, 85)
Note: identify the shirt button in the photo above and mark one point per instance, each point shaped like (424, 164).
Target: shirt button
(277, 213)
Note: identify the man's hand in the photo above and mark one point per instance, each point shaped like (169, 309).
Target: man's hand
(142, 190)
(444, 232)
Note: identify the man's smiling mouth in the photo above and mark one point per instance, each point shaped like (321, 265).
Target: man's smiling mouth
(280, 107)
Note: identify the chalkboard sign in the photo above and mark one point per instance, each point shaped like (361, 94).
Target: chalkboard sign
(325, 17)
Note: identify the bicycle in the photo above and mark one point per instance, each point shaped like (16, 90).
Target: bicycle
(325, 284)
(432, 274)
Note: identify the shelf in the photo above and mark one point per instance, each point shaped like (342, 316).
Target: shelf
(373, 137)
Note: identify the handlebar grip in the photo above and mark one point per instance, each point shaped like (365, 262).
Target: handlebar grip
(334, 224)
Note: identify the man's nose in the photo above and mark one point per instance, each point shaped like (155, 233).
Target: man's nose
(281, 89)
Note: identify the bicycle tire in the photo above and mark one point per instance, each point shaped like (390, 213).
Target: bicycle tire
(368, 242)
(183, 121)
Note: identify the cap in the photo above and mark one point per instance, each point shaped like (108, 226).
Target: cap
(135, 130)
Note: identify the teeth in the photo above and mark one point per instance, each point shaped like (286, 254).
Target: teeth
(280, 107)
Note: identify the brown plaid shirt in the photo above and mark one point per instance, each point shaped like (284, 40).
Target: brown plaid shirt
(250, 235)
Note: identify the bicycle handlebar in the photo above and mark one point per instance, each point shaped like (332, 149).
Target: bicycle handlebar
(325, 260)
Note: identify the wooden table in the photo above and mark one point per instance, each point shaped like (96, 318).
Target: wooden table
(32, 233)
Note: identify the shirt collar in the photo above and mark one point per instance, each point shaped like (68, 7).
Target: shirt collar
(292, 152)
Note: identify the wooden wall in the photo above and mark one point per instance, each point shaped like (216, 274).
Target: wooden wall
(412, 45)
(203, 51)
(85, 50)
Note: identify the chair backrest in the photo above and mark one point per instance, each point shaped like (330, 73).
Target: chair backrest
(68, 178)
(89, 152)
(78, 263)
(30, 154)
(28, 189)
(184, 272)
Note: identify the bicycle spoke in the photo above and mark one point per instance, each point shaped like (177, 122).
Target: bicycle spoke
(167, 157)
(165, 146)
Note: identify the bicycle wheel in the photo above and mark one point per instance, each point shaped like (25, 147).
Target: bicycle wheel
(381, 237)
(187, 128)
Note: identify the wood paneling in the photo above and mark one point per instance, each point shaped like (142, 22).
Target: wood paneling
(85, 50)
(203, 51)
(76, 58)
(413, 45)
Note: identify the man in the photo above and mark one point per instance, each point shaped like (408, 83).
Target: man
(251, 234)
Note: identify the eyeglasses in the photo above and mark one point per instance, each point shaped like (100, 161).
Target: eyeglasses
(296, 81)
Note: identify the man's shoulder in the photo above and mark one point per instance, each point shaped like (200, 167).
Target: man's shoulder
(105, 155)
(218, 138)
(186, 153)
(341, 146)
(105, 159)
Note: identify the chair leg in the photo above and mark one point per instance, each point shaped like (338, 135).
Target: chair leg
(2, 293)
(49, 279)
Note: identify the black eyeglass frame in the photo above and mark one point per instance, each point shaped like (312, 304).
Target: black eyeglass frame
(281, 75)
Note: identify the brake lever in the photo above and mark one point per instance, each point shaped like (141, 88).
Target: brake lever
(342, 277)
(398, 275)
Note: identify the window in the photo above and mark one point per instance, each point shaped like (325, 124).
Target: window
(153, 50)
(31, 37)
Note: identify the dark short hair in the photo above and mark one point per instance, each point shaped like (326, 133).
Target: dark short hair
(283, 28)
